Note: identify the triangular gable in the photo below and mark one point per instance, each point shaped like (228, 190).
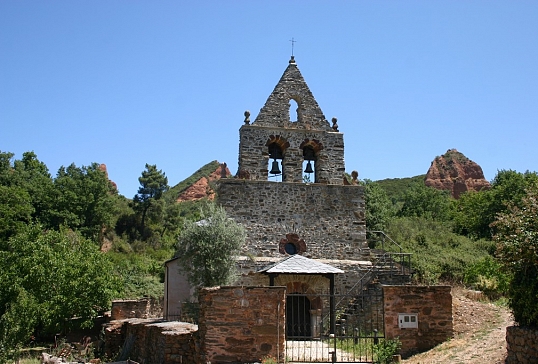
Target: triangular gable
(297, 264)
(276, 111)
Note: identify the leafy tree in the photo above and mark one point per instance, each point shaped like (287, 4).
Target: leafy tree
(475, 211)
(428, 202)
(472, 214)
(84, 199)
(48, 278)
(517, 239)
(208, 248)
(153, 183)
(15, 211)
(33, 175)
(379, 208)
(6, 169)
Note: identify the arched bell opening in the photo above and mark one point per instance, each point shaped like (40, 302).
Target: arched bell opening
(311, 149)
(309, 165)
(276, 157)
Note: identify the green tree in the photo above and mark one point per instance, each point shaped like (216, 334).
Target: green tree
(15, 211)
(422, 201)
(33, 175)
(84, 199)
(6, 169)
(379, 208)
(46, 279)
(474, 212)
(153, 183)
(517, 242)
(208, 248)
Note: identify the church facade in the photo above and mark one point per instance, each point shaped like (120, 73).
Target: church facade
(290, 192)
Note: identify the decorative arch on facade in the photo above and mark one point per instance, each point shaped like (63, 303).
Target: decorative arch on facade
(292, 244)
(303, 284)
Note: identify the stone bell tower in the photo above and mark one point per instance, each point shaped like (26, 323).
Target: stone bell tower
(318, 217)
(273, 135)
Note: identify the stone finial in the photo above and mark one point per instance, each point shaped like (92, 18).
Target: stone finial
(247, 117)
(355, 178)
(335, 125)
(292, 60)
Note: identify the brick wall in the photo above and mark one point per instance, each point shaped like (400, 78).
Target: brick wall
(522, 345)
(433, 306)
(241, 324)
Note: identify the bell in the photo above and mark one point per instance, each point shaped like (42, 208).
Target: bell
(308, 168)
(274, 168)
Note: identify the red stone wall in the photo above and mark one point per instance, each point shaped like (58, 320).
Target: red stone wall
(433, 304)
(242, 324)
(142, 308)
(522, 345)
(152, 341)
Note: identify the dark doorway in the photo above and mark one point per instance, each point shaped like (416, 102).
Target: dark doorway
(298, 324)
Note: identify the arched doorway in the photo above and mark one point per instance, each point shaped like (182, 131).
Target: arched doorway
(298, 321)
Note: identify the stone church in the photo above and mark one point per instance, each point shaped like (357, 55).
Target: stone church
(305, 222)
(291, 193)
(306, 231)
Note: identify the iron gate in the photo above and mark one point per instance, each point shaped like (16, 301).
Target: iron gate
(357, 326)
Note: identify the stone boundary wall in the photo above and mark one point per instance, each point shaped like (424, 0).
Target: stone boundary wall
(242, 324)
(433, 306)
(521, 344)
(142, 308)
(152, 341)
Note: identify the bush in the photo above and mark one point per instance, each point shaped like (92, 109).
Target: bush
(438, 253)
(384, 351)
(488, 276)
(517, 238)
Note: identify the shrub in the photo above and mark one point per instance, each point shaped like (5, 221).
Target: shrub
(517, 238)
(384, 351)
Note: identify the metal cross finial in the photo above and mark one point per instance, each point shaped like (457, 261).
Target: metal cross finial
(293, 41)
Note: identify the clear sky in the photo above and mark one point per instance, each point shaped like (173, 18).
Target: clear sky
(166, 82)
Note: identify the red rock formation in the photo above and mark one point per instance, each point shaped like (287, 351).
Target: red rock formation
(102, 167)
(456, 173)
(201, 188)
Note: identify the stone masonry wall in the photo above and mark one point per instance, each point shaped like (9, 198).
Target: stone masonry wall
(522, 345)
(354, 270)
(254, 158)
(276, 111)
(433, 304)
(330, 219)
(242, 324)
(142, 308)
(153, 341)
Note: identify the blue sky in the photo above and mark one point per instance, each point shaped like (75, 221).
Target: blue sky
(166, 82)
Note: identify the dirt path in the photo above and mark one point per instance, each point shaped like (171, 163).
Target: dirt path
(479, 333)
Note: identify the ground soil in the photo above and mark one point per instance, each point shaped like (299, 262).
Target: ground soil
(479, 332)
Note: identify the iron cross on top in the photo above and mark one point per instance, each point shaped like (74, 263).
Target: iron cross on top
(293, 41)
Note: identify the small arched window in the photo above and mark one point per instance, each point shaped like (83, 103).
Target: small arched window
(294, 111)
